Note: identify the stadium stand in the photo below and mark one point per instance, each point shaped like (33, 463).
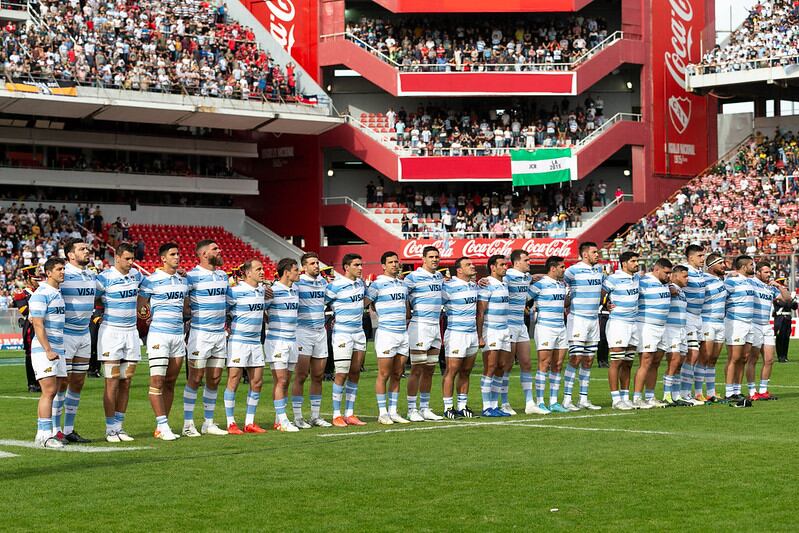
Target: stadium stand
(497, 44)
(153, 45)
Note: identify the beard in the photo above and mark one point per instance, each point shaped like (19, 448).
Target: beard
(216, 260)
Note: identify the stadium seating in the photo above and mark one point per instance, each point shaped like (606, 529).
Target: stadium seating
(234, 250)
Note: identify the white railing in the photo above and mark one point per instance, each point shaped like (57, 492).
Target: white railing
(618, 117)
(722, 67)
(433, 234)
(345, 200)
(452, 67)
(612, 204)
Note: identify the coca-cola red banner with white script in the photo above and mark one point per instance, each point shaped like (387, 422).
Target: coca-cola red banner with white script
(485, 248)
(680, 119)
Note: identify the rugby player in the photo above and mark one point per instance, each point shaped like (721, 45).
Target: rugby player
(675, 339)
(621, 289)
(281, 337)
(345, 297)
(692, 373)
(47, 311)
(493, 334)
(739, 330)
(312, 350)
(207, 346)
(118, 343)
(387, 295)
(518, 279)
(654, 300)
(460, 339)
(712, 322)
(245, 302)
(78, 291)
(162, 297)
(549, 296)
(424, 332)
(584, 281)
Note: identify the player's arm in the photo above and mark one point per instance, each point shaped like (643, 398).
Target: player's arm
(369, 296)
(38, 310)
(785, 294)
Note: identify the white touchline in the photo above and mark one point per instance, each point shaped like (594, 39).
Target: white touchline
(19, 398)
(576, 428)
(72, 447)
(7, 455)
(784, 386)
(466, 425)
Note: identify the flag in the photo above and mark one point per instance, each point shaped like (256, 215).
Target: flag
(542, 166)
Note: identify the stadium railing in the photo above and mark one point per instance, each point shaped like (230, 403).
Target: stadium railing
(452, 67)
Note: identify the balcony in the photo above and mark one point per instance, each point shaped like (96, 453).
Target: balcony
(778, 70)
(523, 80)
(377, 147)
(478, 6)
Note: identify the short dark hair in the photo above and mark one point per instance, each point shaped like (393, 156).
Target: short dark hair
(50, 264)
(492, 261)
(710, 258)
(247, 265)
(679, 268)
(386, 255)
(308, 255)
(202, 244)
(762, 264)
(459, 262)
(517, 254)
(164, 248)
(663, 263)
(69, 244)
(349, 258)
(626, 256)
(427, 249)
(284, 265)
(552, 262)
(125, 247)
(692, 249)
(740, 260)
(584, 246)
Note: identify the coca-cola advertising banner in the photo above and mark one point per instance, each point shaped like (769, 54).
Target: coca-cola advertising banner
(680, 119)
(484, 248)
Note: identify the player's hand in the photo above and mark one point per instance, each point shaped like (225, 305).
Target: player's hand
(674, 290)
(51, 355)
(482, 282)
(610, 306)
(268, 294)
(481, 343)
(775, 283)
(537, 277)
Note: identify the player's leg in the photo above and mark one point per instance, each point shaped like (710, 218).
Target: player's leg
(394, 381)
(110, 391)
(555, 366)
(520, 351)
(385, 369)
(58, 408)
(651, 380)
(170, 381)
(342, 360)
(625, 372)
(750, 368)
(127, 369)
(641, 376)
(319, 356)
(691, 360)
(77, 369)
(490, 360)
(418, 360)
(714, 351)
(541, 375)
(426, 381)
(672, 385)
(44, 428)
(234, 374)
(353, 377)
(256, 374)
(769, 351)
(462, 382)
(586, 362)
(301, 373)
(280, 380)
(197, 360)
(505, 367)
(736, 353)
(158, 363)
(448, 386)
(614, 371)
(217, 354)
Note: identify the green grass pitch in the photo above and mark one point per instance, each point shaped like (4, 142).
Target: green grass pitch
(712, 468)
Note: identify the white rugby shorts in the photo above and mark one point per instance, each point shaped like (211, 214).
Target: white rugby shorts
(118, 344)
(312, 343)
(650, 337)
(388, 344)
(460, 345)
(343, 346)
(712, 332)
(621, 333)
(674, 341)
(496, 339)
(581, 330)
(77, 346)
(244, 355)
(423, 337)
(281, 354)
(549, 338)
(45, 368)
(519, 333)
(693, 331)
(207, 349)
(738, 332)
(763, 335)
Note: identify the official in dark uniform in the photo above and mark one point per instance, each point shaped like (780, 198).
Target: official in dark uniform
(783, 313)
(20, 302)
(603, 350)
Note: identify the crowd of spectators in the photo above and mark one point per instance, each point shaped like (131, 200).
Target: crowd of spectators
(745, 205)
(495, 44)
(433, 131)
(483, 212)
(172, 46)
(26, 193)
(766, 37)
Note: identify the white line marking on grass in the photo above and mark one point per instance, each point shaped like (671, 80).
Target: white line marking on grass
(19, 398)
(7, 455)
(72, 447)
(432, 427)
(576, 428)
(784, 386)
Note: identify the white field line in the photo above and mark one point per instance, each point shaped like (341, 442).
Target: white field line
(72, 447)
(783, 386)
(7, 455)
(575, 428)
(19, 398)
(466, 425)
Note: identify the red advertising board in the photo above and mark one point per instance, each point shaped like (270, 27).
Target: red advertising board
(486, 83)
(480, 6)
(464, 168)
(453, 248)
(680, 119)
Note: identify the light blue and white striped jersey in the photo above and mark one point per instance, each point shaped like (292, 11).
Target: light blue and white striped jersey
(78, 291)
(764, 302)
(496, 314)
(740, 298)
(424, 295)
(389, 296)
(46, 303)
(207, 293)
(715, 300)
(345, 297)
(166, 293)
(519, 292)
(622, 289)
(311, 314)
(246, 305)
(678, 310)
(585, 287)
(654, 300)
(549, 296)
(460, 302)
(118, 293)
(695, 290)
(282, 312)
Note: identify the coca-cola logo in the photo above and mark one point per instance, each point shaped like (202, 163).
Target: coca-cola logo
(676, 59)
(281, 22)
(485, 248)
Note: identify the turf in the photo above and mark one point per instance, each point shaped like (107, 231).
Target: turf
(711, 467)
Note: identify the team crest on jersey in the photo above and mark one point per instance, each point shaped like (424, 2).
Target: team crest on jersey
(492, 345)
(456, 351)
(278, 355)
(576, 335)
(195, 353)
(106, 354)
(299, 348)
(707, 334)
(155, 346)
(386, 352)
(237, 360)
(648, 346)
(342, 345)
(419, 344)
(737, 340)
(48, 369)
(545, 343)
(618, 341)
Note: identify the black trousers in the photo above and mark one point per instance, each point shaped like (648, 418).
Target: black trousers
(782, 331)
(27, 336)
(602, 349)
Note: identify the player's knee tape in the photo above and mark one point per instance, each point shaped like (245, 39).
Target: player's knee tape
(158, 366)
(419, 358)
(629, 356)
(155, 391)
(617, 356)
(127, 369)
(576, 350)
(342, 366)
(432, 359)
(589, 350)
(215, 362)
(78, 367)
(111, 370)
